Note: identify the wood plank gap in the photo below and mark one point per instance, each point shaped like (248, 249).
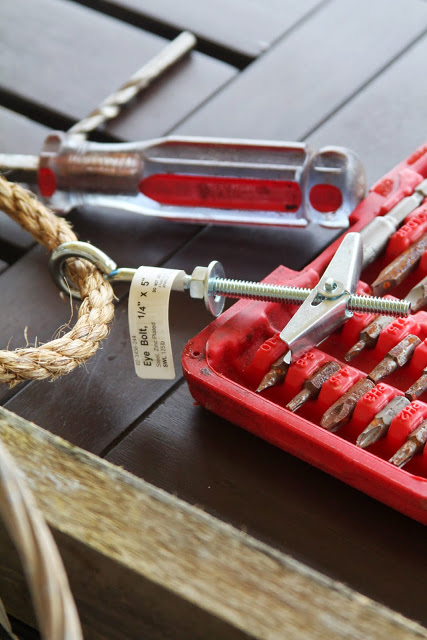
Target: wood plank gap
(48, 117)
(145, 414)
(23, 631)
(9, 252)
(14, 391)
(156, 27)
(144, 564)
(366, 84)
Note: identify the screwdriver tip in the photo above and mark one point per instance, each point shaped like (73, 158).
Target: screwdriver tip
(269, 380)
(275, 376)
(404, 454)
(369, 436)
(298, 401)
(355, 350)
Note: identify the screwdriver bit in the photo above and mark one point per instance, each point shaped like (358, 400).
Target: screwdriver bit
(397, 357)
(418, 295)
(313, 385)
(341, 411)
(394, 273)
(275, 375)
(414, 444)
(379, 426)
(368, 336)
(418, 388)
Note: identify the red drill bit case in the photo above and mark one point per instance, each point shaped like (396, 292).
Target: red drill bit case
(225, 363)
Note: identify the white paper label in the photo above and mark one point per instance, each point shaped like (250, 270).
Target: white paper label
(149, 322)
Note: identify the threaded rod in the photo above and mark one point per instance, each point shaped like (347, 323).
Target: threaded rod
(296, 295)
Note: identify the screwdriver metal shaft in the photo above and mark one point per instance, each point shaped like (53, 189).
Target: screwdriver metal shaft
(414, 445)
(377, 232)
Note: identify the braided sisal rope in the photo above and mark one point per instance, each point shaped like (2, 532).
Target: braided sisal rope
(96, 312)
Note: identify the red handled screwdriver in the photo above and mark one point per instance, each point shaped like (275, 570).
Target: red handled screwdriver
(198, 179)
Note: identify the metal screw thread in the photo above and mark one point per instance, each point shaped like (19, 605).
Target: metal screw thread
(296, 295)
(257, 291)
(383, 306)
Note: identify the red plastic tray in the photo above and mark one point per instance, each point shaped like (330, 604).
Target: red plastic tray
(226, 361)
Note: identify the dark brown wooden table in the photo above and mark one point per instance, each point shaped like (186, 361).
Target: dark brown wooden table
(329, 72)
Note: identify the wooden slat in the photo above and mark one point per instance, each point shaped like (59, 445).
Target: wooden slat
(246, 27)
(311, 72)
(143, 564)
(386, 121)
(81, 56)
(242, 479)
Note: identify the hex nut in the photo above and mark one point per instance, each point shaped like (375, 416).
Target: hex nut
(197, 283)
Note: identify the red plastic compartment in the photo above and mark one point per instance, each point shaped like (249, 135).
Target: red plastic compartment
(226, 361)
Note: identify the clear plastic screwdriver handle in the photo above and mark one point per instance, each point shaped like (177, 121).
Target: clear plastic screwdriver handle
(205, 180)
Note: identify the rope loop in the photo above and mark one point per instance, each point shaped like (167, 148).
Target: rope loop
(61, 356)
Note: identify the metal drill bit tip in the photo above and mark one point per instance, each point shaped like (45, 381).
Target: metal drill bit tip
(406, 452)
(355, 350)
(299, 400)
(373, 432)
(275, 376)
(112, 105)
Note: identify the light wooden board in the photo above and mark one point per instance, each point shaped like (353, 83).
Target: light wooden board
(143, 564)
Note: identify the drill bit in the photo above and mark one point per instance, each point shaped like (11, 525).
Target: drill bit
(276, 375)
(397, 357)
(379, 426)
(313, 385)
(111, 106)
(368, 336)
(414, 444)
(341, 411)
(418, 388)
(394, 273)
